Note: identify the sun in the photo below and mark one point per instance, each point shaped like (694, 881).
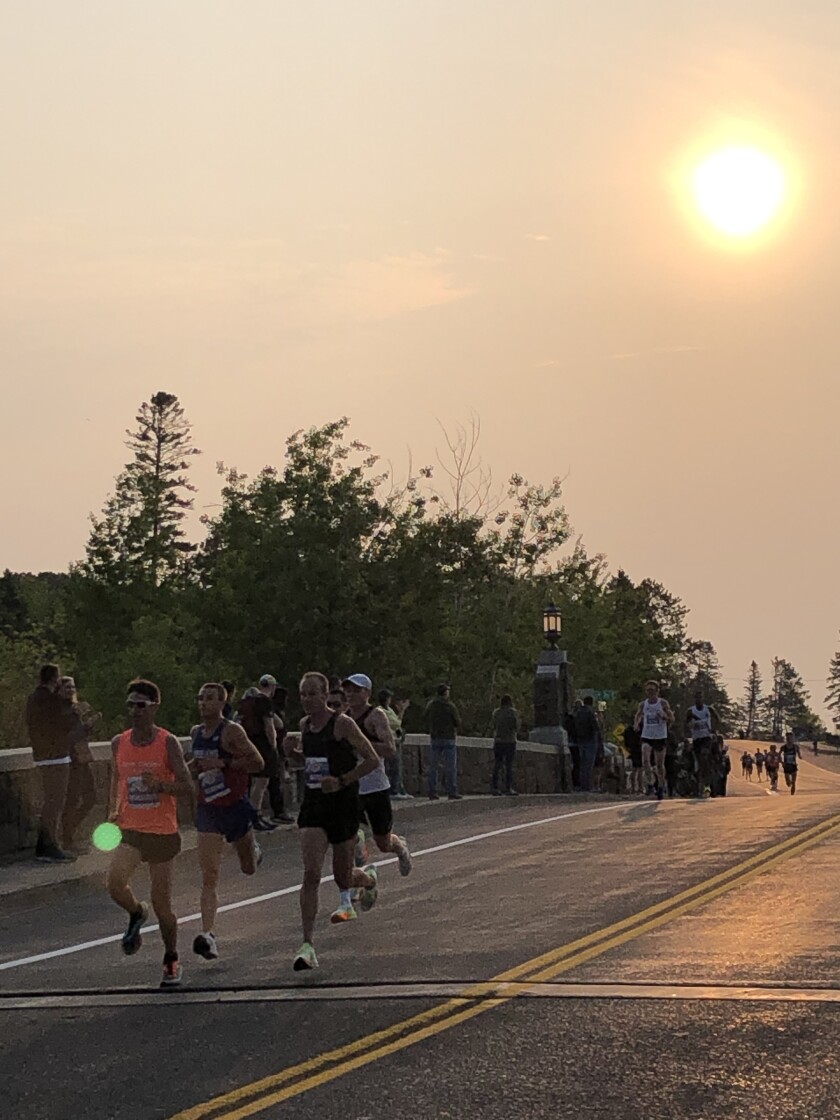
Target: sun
(739, 190)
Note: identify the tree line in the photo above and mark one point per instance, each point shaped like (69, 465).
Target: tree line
(328, 560)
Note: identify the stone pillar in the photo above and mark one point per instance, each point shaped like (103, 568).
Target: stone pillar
(552, 697)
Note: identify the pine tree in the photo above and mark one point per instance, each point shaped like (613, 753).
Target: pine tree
(140, 534)
(832, 699)
(752, 699)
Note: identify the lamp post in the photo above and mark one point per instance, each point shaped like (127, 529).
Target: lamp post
(552, 694)
(552, 624)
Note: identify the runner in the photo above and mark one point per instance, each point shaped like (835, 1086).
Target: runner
(790, 753)
(701, 722)
(223, 760)
(772, 761)
(749, 762)
(149, 773)
(744, 757)
(759, 765)
(374, 788)
(335, 755)
(653, 718)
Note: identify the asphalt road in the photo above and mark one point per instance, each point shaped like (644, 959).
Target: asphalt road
(551, 957)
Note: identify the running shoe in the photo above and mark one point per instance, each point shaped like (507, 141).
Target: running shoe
(205, 946)
(172, 974)
(54, 855)
(132, 940)
(511, 793)
(281, 818)
(456, 797)
(369, 895)
(262, 825)
(404, 857)
(343, 914)
(434, 797)
(305, 958)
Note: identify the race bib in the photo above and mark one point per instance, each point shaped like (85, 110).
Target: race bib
(315, 770)
(140, 796)
(213, 784)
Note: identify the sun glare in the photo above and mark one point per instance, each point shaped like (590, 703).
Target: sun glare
(739, 190)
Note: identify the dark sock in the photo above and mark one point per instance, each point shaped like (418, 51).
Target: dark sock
(168, 958)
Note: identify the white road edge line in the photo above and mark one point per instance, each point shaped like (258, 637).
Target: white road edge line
(20, 962)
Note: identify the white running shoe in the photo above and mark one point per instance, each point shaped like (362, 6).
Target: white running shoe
(205, 946)
(404, 857)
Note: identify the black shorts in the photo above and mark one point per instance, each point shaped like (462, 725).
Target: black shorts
(152, 847)
(657, 744)
(376, 809)
(789, 767)
(337, 814)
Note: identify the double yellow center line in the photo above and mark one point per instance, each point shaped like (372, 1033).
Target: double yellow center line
(251, 1099)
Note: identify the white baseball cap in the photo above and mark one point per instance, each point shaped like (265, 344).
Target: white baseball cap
(359, 680)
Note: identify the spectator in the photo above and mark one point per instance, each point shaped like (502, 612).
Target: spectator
(81, 790)
(256, 714)
(45, 724)
(587, 738)
(394, 766)
(506, 725)
(633, 746)
(569, 725)
(443, 723)
(227, 707)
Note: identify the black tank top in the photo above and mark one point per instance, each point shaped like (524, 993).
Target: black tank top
(324, 754)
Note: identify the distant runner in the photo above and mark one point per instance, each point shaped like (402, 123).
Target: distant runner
(149, 774)
(223, 760)
(749, 762)
(773, 760)
(701, 722)
(653, 718)
(790, 754)
(759, 765)
(335, 755)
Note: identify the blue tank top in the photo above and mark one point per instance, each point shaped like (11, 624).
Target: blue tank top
(218, 787)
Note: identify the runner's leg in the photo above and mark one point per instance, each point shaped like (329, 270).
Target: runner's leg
(210, 847)
(313, 846)
(659, 757)
(246, 850)
(161, 877)
(646, 769)
(124, 863)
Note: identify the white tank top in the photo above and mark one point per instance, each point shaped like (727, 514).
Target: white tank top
(701, 722)
(653, 716)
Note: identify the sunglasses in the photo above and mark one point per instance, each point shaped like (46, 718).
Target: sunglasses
(138, 703)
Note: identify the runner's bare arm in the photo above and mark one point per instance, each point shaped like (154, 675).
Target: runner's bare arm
(270, 730)
(378, 722)
(668, 712)
(346, 728)
(245, 755)
(638, 719)
(112, 793)
(183, 782)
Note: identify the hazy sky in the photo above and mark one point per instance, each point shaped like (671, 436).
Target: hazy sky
(403, 210)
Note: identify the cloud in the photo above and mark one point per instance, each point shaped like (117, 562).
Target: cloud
(537, 237)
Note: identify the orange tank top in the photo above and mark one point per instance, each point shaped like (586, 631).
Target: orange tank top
(138, 808)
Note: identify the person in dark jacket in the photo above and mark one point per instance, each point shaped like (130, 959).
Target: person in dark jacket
(443, 724)
(588, 737)
(506, 725)
(46, 726)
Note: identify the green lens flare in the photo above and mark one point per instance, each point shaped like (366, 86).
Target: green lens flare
(107, 836)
